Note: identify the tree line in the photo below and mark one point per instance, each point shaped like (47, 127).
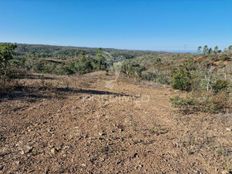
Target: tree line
(206, 50)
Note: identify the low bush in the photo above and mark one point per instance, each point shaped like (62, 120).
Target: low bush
(6, 55)
(205, 102)
(149, 76)
(220, 85)
(186, 105)
(181, 79)
(132, 69)
(82, 66)
(163, 78)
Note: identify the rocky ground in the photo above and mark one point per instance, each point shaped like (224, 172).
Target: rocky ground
(99, 124)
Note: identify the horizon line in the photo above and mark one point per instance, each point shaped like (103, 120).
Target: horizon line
(93, 47)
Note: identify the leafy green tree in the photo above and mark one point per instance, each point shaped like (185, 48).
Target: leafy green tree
(6, 54)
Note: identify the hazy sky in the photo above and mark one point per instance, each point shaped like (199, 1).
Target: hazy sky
(129, 24)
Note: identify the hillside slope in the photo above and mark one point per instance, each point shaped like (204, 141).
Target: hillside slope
(97, 124)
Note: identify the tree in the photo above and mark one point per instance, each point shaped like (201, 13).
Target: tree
(100, 60)
(205, 50)
(230, 48)
(216, 49)
(6, 54)
(199, 49)
(210, 51)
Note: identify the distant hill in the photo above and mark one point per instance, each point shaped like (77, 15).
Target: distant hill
(48, 51)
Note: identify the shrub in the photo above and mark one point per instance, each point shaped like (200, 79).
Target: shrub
(6, 54)
(179, 102)
(220, 85)
(225, 57)
(100, 61)
(82, 66)
(163, 78)
(181, 79)
(185, 105)
(205, 102)
(132, 69)
(149, 76)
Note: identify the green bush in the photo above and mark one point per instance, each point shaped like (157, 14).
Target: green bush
(149, 76)
(6, 54)
(82, 66)
(181, 79)
(163, 78)
(215, 103)
(225, 57)
(220, 85)
(179, 102)
(132, 69)
(100, 62)
(206, 102)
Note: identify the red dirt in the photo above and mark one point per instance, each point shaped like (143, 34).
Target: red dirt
(108, 126)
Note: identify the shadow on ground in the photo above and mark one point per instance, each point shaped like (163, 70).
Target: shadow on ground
(35, 76)
(37, 93)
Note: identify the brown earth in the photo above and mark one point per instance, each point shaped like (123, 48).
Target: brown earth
(95, 124)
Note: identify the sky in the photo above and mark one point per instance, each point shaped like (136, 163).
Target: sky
(169, 25)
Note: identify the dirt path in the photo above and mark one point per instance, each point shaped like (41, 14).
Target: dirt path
(121, 127)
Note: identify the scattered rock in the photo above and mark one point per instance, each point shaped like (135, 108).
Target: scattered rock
(28, 149)
(17, 162)
(53, 151)
(1, 167)
(139, 166)
(101, 133)
(4, 151)
(46, 170)
(227, 172)
(135, 155)
(83, 165)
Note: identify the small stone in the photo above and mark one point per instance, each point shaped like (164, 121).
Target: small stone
(101, 159)
(4, 151)
(135, 155)
(83, 165)
(102, 133)
(1, 167)
(46, 170)
(28, 149)
(228, 129)
(224, 172)
(66, 147)
(139, 166)
(53, 151)
(17, 162)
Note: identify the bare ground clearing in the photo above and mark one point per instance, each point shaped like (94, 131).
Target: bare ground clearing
(83, 124)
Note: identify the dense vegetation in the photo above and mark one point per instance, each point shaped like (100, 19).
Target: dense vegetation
(6, 55)
(70, 60)
(206, 77)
